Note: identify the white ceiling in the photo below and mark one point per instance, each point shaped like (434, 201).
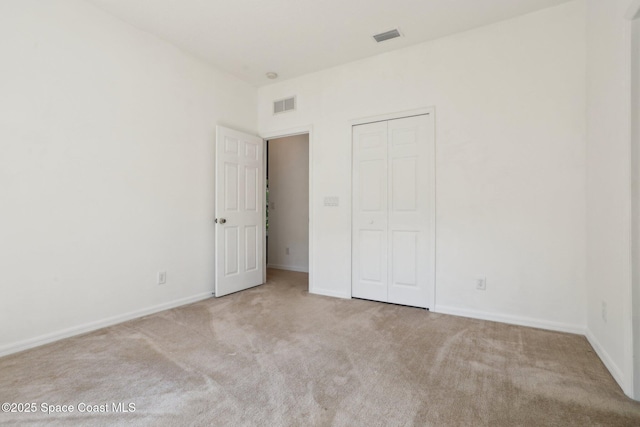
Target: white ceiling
(248, 38)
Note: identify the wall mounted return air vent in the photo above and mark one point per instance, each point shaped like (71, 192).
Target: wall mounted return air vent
(387, 35)
(284, 105)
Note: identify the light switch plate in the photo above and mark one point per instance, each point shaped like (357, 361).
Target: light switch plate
(332, 201)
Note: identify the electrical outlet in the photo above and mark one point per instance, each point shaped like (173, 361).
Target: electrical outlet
(604, 311)
(481, 283)
(162, 277)
(286, 251)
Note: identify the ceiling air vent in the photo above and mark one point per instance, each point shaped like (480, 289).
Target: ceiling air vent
(284, 105)
(387, 35)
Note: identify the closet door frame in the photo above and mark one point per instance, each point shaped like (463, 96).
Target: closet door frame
(431, 285)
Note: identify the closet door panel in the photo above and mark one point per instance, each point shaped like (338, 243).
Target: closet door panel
(410, 144)
(370, 206)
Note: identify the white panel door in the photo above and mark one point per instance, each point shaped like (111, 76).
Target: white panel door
(393, 224)
(410, 144)
(369, 238)
(239, 210)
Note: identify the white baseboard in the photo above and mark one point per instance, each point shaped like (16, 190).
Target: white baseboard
(288, 268)
(99, 324)
(513, 320)
(615, 371)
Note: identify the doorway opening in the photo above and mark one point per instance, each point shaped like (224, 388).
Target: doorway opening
(287, 204)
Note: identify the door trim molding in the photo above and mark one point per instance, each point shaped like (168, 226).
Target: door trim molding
(391, 116)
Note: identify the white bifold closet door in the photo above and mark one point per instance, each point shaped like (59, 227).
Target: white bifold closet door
(393, 209)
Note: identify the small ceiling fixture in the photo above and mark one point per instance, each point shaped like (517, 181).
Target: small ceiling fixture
(271, 75)
(387, 35)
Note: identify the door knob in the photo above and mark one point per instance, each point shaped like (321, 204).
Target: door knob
(221, 220)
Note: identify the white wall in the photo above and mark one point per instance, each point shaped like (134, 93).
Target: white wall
(635, 198)
(106, 169)
(289, 203)
(510, 162)
(608, 186)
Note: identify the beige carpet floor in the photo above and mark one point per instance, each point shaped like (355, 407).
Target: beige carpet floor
(277, 356)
